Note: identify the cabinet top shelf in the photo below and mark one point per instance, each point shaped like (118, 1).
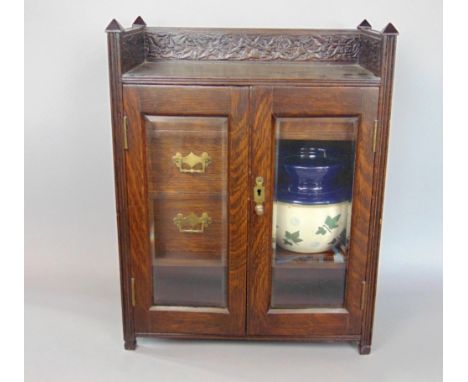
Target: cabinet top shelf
(150, 55)
(247, 72)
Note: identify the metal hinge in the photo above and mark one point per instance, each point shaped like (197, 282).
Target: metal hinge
(374, 140)
(132, 286)
(125, 132)
(363, 293)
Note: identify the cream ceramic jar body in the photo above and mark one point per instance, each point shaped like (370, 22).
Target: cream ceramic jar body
(309, 228)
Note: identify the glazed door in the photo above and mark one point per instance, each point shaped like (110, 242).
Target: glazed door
(312, 164)
(187, 178)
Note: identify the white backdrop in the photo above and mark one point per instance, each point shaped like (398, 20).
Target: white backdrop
(72, 286)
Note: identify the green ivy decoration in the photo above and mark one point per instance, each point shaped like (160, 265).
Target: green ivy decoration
(329, 225)
(290, 238)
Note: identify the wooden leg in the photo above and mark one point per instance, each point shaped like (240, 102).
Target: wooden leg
(130, 344)
(364, 348)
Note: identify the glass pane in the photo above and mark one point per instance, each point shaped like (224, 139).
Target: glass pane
(187, 190)
(312, 211)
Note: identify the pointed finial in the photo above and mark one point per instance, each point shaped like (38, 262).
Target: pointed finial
(114, 26)
(390, 29)
(139, 21)
(364, 25)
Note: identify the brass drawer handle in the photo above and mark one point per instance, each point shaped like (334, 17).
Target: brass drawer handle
(192, 223)
(259, 196)
(187, 163)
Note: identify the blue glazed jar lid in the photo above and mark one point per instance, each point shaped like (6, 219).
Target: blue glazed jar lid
(319, 178)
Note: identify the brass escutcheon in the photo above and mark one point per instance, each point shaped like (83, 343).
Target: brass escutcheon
(259, 196)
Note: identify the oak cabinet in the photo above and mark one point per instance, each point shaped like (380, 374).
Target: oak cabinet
(249, 169)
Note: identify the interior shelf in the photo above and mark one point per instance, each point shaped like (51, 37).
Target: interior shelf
(188, 262)
(326, 260)
(184, 195)
(322, 128)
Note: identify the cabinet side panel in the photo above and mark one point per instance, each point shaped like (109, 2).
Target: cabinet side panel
(115, 70)
(133, 48)
(370, 55)
(380, 163)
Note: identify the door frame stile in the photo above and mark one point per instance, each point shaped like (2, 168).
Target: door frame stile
(114, 33)
(389, 38)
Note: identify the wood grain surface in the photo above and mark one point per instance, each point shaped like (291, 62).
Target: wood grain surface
(306, 103)
(142, 103)
(168, 135)
(223, 91)
(379, 171)
(247, 73)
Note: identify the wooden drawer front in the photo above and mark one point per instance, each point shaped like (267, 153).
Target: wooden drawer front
(171, 244)
(186, 138)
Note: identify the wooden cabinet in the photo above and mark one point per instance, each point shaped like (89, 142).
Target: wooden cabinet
(249, 168)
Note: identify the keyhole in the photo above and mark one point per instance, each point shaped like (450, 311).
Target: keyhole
(259, 192)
